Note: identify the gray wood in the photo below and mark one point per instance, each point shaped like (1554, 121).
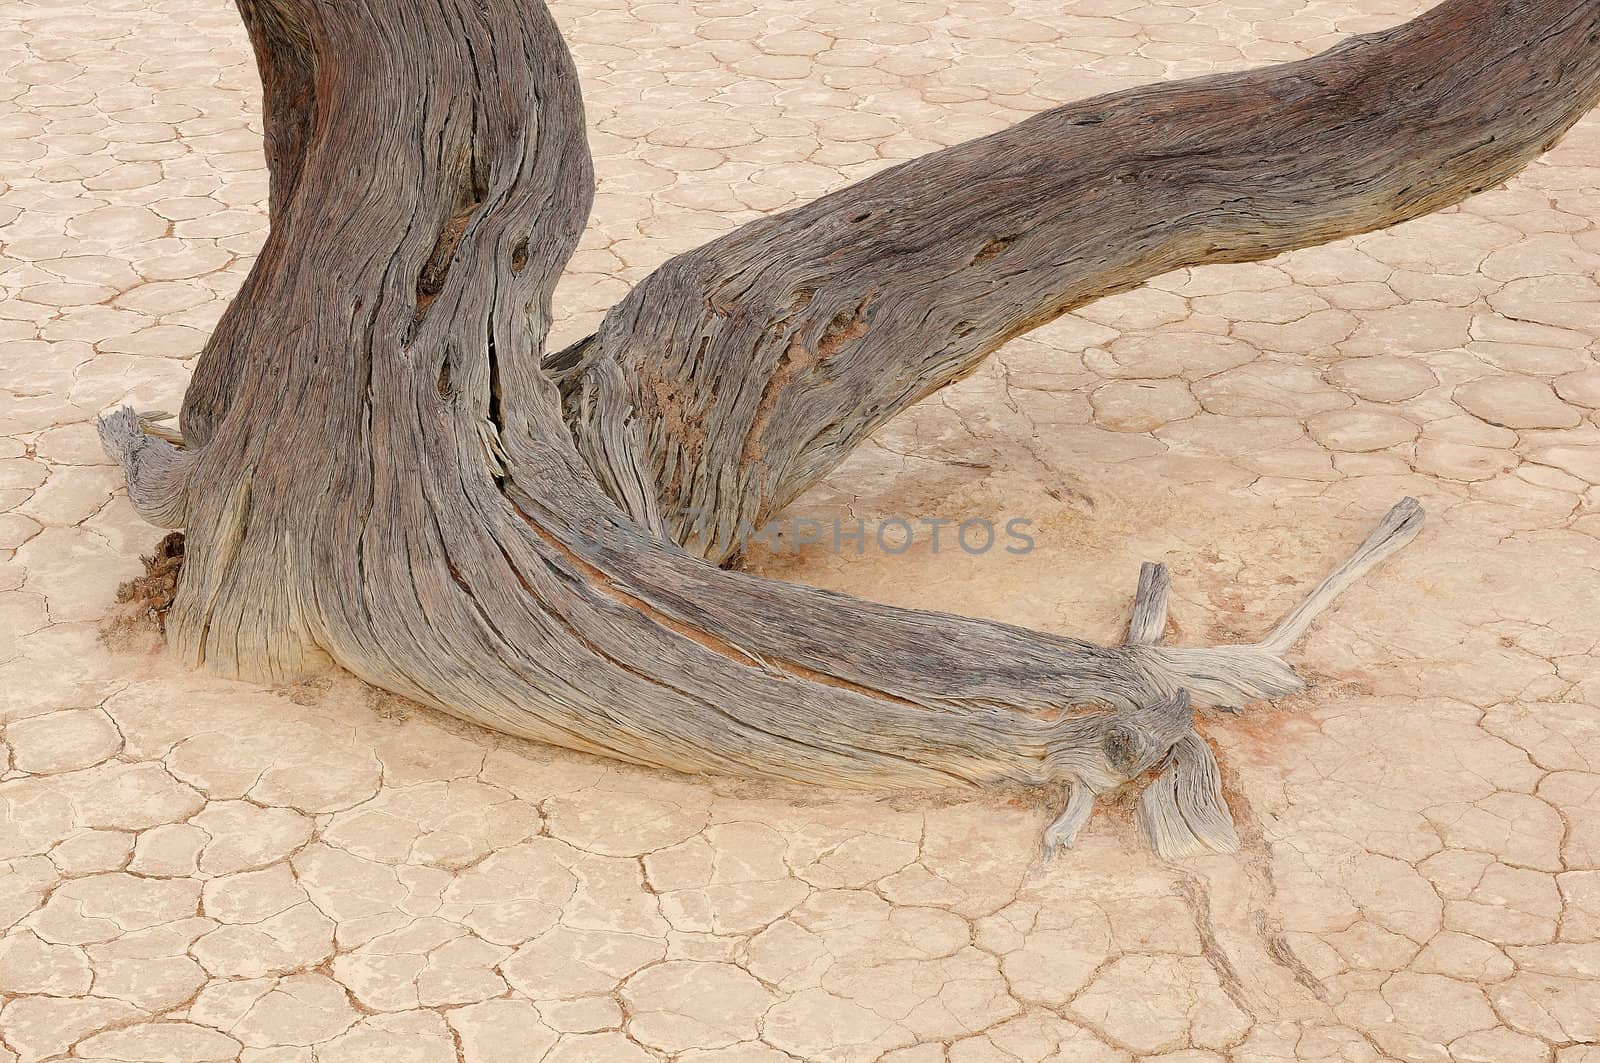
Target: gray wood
(1149, 618)
(1182, 812)
(756, 363)
(380, 468)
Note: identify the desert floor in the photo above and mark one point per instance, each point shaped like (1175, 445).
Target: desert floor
(193, 869)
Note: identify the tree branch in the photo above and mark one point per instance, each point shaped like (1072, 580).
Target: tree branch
(754, 364)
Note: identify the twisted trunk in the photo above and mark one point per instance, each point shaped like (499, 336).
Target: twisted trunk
(379, 471)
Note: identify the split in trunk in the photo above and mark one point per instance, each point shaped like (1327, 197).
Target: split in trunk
(382, 468)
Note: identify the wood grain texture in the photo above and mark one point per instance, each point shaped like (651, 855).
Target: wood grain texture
(380, 470)
(754, 364)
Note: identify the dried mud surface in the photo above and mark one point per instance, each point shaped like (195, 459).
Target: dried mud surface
(198, 870)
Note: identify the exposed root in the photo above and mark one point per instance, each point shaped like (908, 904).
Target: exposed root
(1183, 811)
(1063, 830)
(157, 469)
(1398, 527)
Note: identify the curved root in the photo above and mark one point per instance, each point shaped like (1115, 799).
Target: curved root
(1183, 811)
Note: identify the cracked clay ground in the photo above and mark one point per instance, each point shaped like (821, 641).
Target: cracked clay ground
(199, 870)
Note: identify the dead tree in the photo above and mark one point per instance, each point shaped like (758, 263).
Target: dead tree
(381, 466)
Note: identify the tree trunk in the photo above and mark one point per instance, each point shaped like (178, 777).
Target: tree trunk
(378, 470)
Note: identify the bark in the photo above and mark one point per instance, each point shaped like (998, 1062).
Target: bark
(752, 366)
(379, 471)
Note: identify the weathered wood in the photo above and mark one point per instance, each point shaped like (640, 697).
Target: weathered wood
(1149, 618)
(1182, 811)
(754, 364)
(378, 472)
